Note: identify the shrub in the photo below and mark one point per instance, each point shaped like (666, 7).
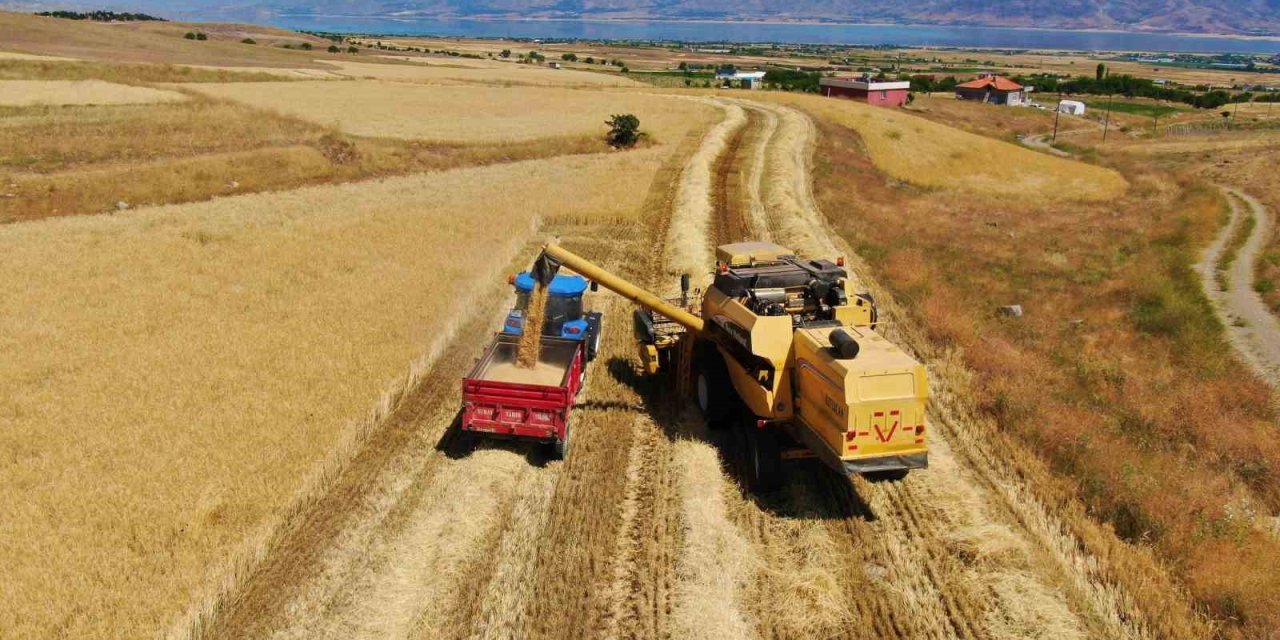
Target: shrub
(333, 48)
(190, 35)
(569, 57)
(201, 36)
(624, 130)
(353, 50)
(306, 46)
(248, 41)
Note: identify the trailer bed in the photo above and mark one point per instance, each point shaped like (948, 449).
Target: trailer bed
(502, 399)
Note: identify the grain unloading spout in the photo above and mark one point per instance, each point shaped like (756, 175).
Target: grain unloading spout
(554, 256)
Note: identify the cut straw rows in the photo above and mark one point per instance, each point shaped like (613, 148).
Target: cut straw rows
(688, 245)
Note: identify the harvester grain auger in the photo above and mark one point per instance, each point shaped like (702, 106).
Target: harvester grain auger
(781, 348)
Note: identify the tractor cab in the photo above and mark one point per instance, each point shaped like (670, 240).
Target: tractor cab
(564, 316)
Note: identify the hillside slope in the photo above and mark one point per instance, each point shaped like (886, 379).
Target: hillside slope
(1207, 16)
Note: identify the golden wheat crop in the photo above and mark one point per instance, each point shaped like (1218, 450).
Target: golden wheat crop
(172, 374)
(460, 114)
(22, 93)
(487, 72)
(918, 151)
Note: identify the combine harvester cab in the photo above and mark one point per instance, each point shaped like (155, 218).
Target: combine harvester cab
(503, 400)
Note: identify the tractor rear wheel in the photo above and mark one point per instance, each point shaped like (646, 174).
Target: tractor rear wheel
(764, 459)
(713, 391)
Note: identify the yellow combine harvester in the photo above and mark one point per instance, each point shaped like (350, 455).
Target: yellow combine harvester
(782, 348)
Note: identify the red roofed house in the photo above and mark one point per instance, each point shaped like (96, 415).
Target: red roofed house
(993, 89)
(864, 89)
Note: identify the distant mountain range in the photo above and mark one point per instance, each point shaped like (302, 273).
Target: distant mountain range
(1191, 16)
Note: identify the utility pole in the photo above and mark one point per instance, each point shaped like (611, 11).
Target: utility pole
(1106, 125)
(1057, 115)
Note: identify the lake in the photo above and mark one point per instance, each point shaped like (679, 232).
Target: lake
(847, 34)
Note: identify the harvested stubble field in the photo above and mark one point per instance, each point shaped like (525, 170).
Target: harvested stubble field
(224, 476)
(174, 375)
(458, 113)
(26, 93)
(480, 72)
(58, 161)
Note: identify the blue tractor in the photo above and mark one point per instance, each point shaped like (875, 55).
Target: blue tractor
(564, 316)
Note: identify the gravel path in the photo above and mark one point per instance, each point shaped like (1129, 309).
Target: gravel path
(1252, 328)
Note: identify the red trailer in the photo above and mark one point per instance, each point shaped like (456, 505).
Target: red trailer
(500, 399)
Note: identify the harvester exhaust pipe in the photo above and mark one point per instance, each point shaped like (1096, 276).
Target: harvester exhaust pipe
(684, 290)
(554, 256)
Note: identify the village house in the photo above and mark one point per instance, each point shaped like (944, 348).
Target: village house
(885, 93)
(993, 89)
(742, 79)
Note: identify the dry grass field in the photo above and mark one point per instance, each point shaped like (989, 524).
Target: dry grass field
(928, 154)
(1118, 376)
(458, 113)
(218, 353)
(155, 42)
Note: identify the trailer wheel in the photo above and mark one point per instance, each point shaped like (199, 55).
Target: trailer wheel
(764, 459)
(712, 390)
(560, 448)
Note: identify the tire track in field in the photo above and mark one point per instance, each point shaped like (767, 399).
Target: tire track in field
(604, 567)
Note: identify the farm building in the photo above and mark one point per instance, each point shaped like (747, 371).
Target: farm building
(553, 65)
(864, 89)
(1071, 107)
(993, 89)
(743, 79)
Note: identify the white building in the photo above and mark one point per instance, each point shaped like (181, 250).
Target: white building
(1071, 107)
(744, 79)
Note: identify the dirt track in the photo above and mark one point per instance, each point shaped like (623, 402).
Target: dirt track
(1252, 328)
(643, 532)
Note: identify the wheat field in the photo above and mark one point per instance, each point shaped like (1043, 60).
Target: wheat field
(918, 151)
(458, 114)
(173, 374)
(24, 93)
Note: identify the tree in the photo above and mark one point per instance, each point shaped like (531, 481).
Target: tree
(506, 53)
(590, 60)
(1101, 71)
(353, 49)
(684, 66)
(333, 48)
(569, 57)
(306, 46)
(190, 35)
(624, 130)
(201, 36)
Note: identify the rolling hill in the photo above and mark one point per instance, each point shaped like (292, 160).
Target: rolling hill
(1195, 16)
